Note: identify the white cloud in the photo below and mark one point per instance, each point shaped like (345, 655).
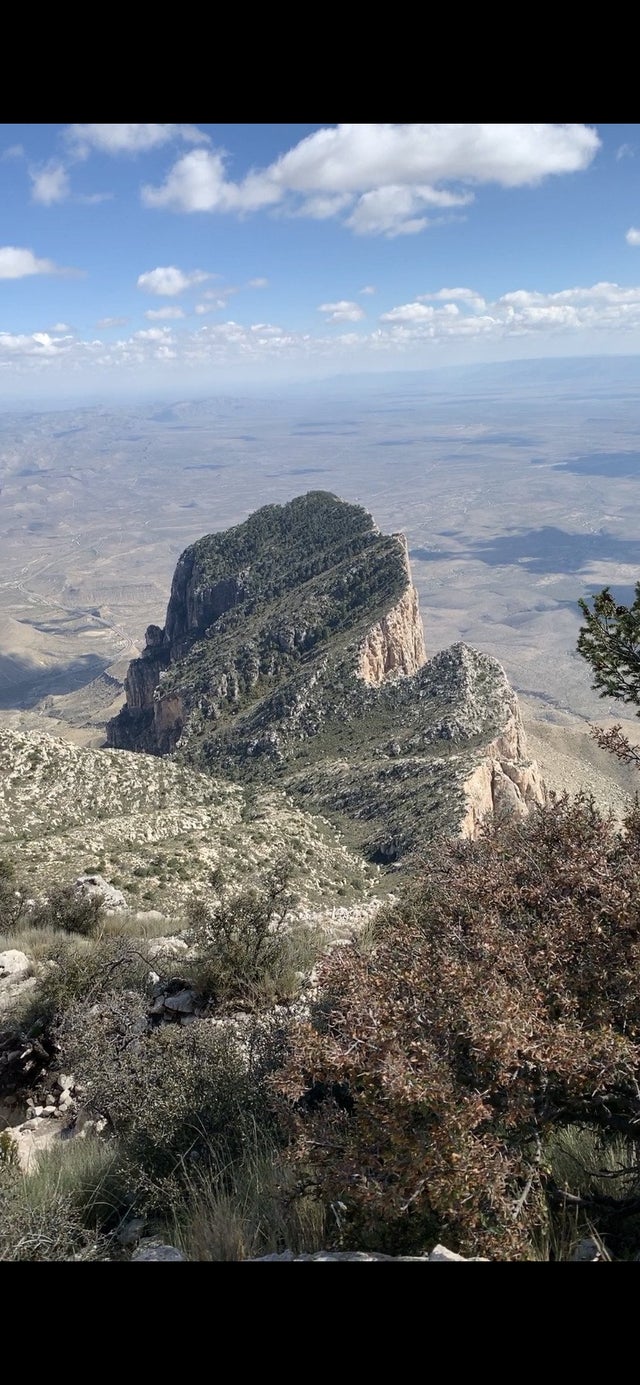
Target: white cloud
(198, 183)
(258, 283)
(343, 311)
(35, 344)
(444, 329)
(157, 314)
(17, 263)
(50, 183)
(603, 306)
(153, 334)
(357, 158)
(324, 205)
(469, 296)
(213, 305)
(13, 151)
(420, 312)
(633, 236)
(61, 327)
(128, 139)
(266, 329)
(368, 288)
(168, 281)
(383, 177)
(625, 151)
(398, 211)
(112, 322)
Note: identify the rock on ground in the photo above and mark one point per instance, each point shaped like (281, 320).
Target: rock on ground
(157, 1252)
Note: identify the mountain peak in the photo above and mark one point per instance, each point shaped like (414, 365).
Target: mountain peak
(293, 651)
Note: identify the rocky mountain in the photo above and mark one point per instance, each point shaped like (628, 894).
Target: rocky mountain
(293, 654)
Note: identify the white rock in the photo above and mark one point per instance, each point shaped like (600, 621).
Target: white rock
(33, 1137)
(14, 965)
(166, 947)
(157, 1252)
(96, 885)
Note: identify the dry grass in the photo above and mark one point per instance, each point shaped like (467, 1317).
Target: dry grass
(250, 1210)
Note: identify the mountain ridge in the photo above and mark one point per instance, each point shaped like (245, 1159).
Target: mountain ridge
(293, 648)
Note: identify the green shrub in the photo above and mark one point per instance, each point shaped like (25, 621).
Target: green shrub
(70, 911)
(174, 1096)
(12, 897)
(84, 973)
(245, 957)
(41, 1221)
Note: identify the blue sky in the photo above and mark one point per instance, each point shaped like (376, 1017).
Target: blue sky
(181, 259)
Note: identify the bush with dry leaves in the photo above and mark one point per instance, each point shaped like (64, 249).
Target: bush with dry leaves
(498, 1006)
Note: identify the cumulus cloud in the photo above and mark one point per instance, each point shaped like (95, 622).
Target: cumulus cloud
(469, 296)
(153, 334)
(357, 158)
(421, 329)
(383, 179)
(128, 139)
(13, 151)
(258, 283)
(624, 151)
(112, 322)
(368, 288)
(157, 314)
(603, 306)
(34, 344)
(633, 236)
(343, 311)
(17, 263)
(198, 183)
(50, 183)
(399, 211)
(167, 280)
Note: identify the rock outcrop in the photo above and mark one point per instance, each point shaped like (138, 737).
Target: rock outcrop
(293, 652)
(395, 645)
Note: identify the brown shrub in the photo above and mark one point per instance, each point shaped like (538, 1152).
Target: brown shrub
(499, 1004)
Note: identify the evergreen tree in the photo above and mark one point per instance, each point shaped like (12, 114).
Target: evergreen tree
(610, 642)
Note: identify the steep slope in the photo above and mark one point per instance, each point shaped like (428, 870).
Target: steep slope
(156, 828)
(293, 653)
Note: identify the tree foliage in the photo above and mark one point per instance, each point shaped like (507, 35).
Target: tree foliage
(610, 642)
(499, 1005)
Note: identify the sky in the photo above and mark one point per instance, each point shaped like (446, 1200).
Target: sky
(181, 259)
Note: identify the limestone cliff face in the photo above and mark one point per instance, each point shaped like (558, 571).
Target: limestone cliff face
(395, 644)
(497, 789)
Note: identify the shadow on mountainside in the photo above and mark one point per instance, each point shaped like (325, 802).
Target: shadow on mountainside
(23, 685)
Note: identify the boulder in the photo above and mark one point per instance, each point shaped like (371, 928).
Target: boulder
(166, 947)
(14, 965)
(156, 1251)
(95, 885)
